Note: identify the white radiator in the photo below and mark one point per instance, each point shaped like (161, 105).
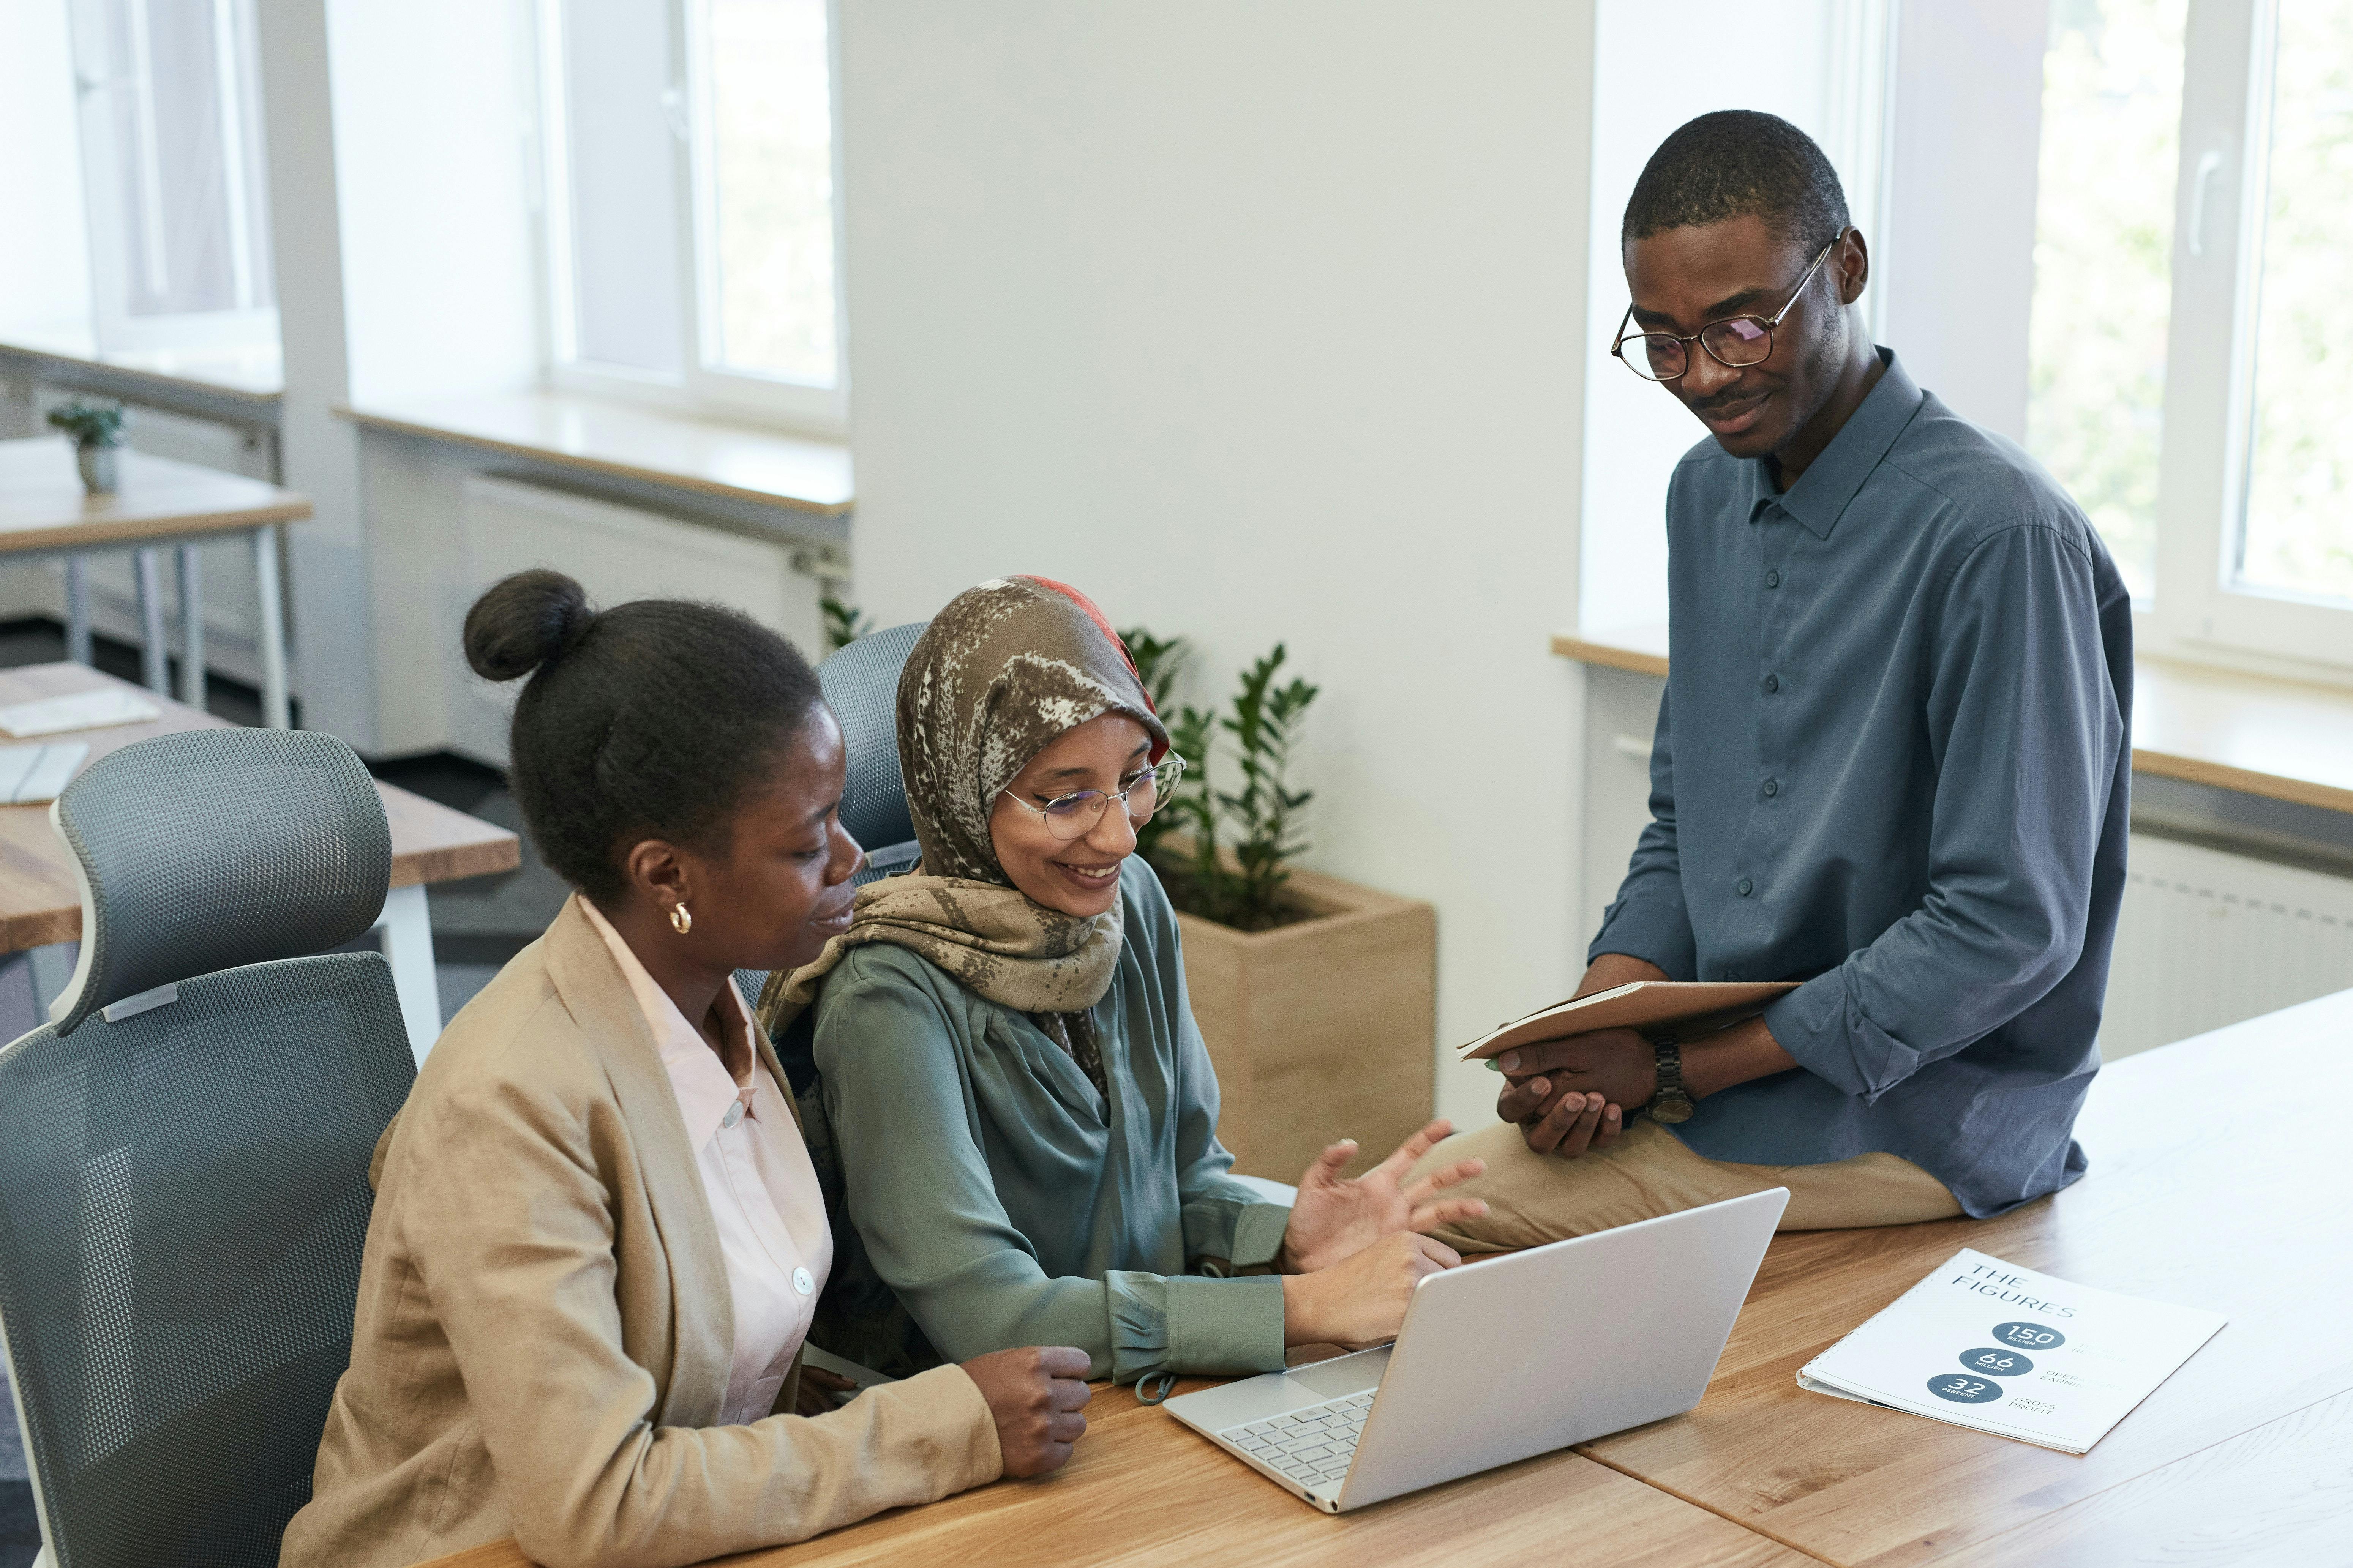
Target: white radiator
(620, 553)
(2207, 939)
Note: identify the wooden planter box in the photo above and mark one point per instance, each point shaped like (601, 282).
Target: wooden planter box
(1323, 1029)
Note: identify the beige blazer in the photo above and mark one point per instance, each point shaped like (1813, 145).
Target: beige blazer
(543, 1331)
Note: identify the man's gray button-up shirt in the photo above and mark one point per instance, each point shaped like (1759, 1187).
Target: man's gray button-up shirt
(1901, 776)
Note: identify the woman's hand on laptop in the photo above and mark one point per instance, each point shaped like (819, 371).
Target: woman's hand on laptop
(1335, 1216)
(1035, 1394)
(1361, 1299)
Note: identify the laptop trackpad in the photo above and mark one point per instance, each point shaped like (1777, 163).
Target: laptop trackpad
(1341, 1375)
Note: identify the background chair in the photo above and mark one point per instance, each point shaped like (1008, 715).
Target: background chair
(861, 686)
(184, 1147)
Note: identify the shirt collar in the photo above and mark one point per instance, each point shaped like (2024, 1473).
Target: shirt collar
(703, 1085)
(1820, 495)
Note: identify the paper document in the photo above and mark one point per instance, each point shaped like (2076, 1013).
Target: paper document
(31, 774)
(1985, 1343)
(97, 709)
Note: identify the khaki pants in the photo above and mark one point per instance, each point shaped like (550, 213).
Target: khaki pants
(1534, 1198)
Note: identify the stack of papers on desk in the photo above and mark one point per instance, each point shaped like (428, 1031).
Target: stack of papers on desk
(97, 709)
(31, 774)
(1985, 1343)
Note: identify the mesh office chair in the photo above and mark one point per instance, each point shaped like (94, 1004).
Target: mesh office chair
(184, 1148)
(861, 686)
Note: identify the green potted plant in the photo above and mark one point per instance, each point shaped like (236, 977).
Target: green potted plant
(1316, 997)
(97, 432)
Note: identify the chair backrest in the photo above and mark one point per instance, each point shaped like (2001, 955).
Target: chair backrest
(861, 686)
(184, 1151)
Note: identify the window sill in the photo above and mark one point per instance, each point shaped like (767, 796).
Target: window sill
(616, 440)
(2256, 735)
(255, 376)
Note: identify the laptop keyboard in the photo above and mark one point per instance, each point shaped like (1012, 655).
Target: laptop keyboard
(1312, 1446)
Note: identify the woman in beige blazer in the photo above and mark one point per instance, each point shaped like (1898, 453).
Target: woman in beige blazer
(596, 1238)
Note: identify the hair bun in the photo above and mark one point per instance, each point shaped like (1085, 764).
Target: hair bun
(525, 623)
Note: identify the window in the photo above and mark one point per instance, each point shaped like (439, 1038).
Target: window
(173, 173)
(2187, 340)
(693, 238)
(2104, 263)
(2294, 534)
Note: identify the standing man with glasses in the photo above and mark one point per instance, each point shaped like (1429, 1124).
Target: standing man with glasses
(1890, 763)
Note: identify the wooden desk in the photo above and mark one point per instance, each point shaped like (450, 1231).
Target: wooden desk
(43, 511)
(1142, 1489)
(2257, 734)
(2217, 1181)
(40, 901)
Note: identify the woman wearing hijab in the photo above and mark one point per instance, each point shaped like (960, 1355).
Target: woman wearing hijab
(598, 1238)
(1023, 1112)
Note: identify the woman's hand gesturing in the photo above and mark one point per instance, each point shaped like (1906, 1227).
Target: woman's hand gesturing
(1337, 1216)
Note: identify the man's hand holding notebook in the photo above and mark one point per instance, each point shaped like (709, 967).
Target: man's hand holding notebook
(1580, 1069)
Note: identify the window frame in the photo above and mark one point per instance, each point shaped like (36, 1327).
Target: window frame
(701, 388)
(114, 328)
(2200, 611)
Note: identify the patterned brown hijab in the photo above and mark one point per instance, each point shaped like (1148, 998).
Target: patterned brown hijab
(999, 674)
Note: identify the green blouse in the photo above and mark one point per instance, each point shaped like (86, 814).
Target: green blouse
(1006, 1201)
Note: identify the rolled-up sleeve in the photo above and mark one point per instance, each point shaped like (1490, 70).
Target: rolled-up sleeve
(2026, 731)
(1648, 919)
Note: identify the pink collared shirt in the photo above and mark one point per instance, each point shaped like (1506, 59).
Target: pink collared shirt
(756, 1174)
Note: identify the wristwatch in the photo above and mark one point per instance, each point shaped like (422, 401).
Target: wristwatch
(1673, 1102)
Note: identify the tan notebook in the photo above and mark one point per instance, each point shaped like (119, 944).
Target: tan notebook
(1646, 1004)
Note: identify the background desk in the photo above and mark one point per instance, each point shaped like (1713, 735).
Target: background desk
(40, 902)
(43, 511)
(2218, 1179)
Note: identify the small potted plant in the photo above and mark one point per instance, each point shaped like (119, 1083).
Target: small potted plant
(1316, 997)
(97, 431)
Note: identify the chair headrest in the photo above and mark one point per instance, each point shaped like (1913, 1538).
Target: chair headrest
(214, 849)
(861, 686)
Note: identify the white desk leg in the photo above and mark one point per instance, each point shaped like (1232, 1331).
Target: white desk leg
(192, 628)
(275, 714)
(155, 652)
(77, 610)
(409, 948)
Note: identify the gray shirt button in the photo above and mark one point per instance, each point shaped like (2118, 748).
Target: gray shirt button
(1772, 787)
(1746, 887)
(1772, 579)
(1772, 683)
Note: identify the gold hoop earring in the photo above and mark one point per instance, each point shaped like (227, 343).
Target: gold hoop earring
(681, 921)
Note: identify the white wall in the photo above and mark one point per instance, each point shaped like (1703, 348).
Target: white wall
(403, 208)
(433, 141)
(1259, 323)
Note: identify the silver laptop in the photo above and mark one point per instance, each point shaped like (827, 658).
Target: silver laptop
(1503, 1359)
